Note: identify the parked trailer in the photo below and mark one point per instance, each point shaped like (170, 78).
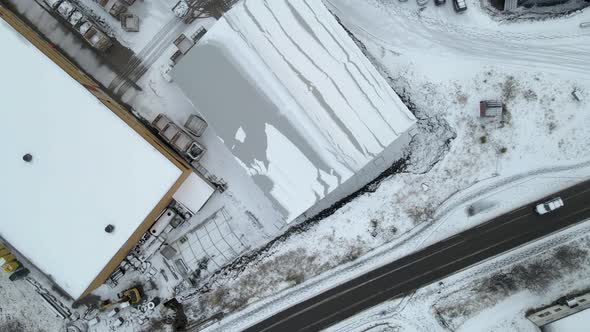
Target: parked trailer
(178, 138)
(89, 31)
(113, 7)
(95, 37)
(195, 125)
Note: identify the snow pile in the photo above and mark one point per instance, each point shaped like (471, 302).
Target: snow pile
(295, 100)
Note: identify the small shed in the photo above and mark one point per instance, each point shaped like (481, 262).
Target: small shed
(577, 95)
(490, 109)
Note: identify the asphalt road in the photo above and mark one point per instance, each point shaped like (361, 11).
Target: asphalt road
(431, 264)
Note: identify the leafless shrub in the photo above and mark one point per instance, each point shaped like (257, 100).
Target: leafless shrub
(420, 214)
(374, 227)
(529, 95)
(393, 230)
(216, 299)
(570, 257)
(295, 277)
(354, 252)
(461, 98)
(509, 89)
(506, 115)
(291, 267)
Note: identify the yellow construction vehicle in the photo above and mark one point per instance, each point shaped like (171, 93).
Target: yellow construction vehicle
(131, 295)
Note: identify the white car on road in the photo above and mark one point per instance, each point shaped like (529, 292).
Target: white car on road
(549, 206)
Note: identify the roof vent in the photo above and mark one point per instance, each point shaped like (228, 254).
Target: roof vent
(28, 157)
(109, 229)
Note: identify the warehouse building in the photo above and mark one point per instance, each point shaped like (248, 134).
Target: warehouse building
(297, 103)
(82, 179)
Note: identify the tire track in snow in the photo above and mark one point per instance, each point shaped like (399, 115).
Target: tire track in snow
(570, 52)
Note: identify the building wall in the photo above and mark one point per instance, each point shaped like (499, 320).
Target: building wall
(393, 153)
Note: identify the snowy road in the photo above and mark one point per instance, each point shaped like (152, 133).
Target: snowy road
(139, 64)
(411, 272)
(553, 46)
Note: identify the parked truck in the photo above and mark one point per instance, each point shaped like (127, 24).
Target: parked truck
(113, 7)
(81, 24)
(178, 138)
(95, 37)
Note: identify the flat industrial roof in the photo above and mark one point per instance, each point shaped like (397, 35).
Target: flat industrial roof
(89, 169)
(194, 193)
(294, 99)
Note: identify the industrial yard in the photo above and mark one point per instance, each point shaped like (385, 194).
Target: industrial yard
(212, 164)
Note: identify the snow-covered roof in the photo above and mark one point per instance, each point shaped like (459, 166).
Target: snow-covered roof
(573, 323)
(194, 193)
(294, 99)
(89, 169)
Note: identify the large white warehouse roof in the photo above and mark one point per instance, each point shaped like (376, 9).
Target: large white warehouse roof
(294, 99)
(89, 169)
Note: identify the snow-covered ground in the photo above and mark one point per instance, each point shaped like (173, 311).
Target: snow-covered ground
(23, 309)
(492, 296)
(442, 65)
